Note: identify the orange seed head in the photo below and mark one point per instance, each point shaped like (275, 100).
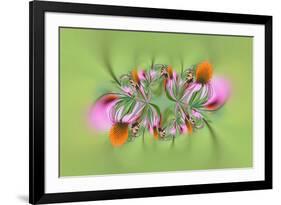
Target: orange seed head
(204, 72)
(118, 134)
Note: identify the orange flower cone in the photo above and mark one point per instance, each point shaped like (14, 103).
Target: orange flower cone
(204, 72)
(119, 134)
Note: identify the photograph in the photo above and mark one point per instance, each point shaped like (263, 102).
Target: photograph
(135, 101)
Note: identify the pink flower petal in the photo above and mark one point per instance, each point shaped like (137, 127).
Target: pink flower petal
(169, 86)
(153, 74)
(175, 76)
(127, 90)
(173, 131)
(156, 119)
(150, 129)
(194, 87)
(135, 114)
(142, 75)
(221, 93)
(99, 112)
(182, 129)
(196, 114)
(155, 122)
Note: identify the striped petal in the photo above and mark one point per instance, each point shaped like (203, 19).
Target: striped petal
(135, 114)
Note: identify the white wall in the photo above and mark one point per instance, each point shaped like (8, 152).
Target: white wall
(14, 100)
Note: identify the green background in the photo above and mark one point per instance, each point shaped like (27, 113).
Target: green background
(83, 78)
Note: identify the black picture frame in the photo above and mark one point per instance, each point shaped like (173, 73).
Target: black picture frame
(37, 10)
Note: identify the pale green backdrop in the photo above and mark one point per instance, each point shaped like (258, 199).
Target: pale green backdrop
(83, 78)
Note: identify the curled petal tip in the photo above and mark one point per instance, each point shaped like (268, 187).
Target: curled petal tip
(99, 112)
(221, 92)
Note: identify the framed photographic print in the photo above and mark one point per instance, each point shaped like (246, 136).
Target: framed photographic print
(141, 102)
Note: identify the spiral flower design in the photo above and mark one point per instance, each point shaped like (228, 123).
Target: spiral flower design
(130, 111)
